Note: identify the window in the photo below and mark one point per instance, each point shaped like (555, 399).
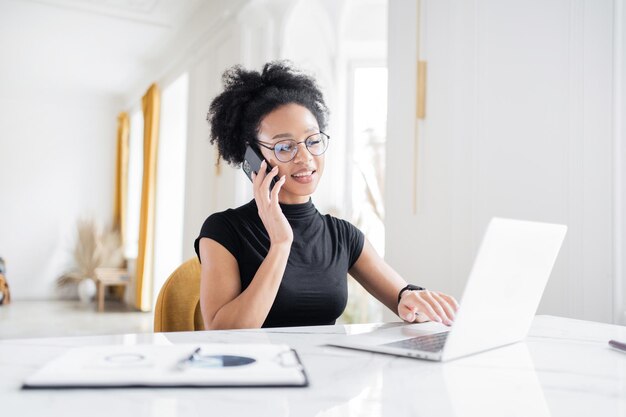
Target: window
(170, 182)
(368, 127)
(135, 173)
(367, 107)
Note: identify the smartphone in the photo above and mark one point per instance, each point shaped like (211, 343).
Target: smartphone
(252, 163)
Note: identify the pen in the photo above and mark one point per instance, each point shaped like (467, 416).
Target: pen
(618, 345)
(190, 357)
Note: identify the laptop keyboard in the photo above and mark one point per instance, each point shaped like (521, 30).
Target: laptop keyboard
(428, 343)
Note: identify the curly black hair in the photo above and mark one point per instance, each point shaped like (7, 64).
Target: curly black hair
(248, 96)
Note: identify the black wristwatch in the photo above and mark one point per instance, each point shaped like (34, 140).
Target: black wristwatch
(409, 287)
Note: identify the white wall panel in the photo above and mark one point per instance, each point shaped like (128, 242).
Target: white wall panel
(518, 125)
(619, 162)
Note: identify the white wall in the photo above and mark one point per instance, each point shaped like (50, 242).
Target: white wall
(519, 124)
(619, 125)
(57, 158)
(207, 188)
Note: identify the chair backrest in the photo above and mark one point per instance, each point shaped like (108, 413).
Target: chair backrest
(178, 305)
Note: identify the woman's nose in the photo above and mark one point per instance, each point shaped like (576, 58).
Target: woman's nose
(303, 155)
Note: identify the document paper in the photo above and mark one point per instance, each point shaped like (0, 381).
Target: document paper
(185, 365)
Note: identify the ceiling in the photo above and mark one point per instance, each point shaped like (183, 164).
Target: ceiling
(67, 47)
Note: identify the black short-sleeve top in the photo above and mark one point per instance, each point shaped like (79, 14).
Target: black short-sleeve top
(313, 290)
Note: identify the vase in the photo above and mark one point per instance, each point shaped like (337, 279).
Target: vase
(86, 290)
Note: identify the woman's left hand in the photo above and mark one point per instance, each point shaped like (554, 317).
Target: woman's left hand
(425, 305)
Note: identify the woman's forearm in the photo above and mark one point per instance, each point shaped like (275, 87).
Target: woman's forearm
(250, 308)
(377, 277)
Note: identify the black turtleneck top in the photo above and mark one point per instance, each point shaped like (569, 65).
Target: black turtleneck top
(313, 290)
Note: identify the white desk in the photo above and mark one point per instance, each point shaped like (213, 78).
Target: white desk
(564, 368)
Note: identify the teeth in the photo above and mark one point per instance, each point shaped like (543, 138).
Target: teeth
(303, 174)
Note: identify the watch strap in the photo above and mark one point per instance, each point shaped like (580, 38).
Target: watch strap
(409, 287)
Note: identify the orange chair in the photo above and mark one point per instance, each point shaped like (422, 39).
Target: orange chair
(178, 305)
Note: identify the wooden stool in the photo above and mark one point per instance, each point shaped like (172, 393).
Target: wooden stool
(108, 277)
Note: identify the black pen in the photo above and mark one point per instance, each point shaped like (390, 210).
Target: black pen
(190, 357)
(618, 345)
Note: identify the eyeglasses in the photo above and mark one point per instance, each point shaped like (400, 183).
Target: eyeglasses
(286, 150)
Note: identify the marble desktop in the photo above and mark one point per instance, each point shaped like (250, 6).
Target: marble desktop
(563, 368)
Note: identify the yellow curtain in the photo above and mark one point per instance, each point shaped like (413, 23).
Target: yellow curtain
(151, 103)
(121, 175)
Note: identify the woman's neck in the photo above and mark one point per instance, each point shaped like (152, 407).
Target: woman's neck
(285, 198)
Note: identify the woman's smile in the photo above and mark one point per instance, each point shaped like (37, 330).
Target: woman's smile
(304, 176)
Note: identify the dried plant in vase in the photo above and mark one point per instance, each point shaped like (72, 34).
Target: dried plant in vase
(93, 249)
(111, 249)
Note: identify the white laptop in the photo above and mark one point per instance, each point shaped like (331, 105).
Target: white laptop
(498, 304)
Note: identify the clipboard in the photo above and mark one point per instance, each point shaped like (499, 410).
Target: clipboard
(171, 366)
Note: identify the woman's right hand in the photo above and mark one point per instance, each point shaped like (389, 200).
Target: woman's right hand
(275, 222)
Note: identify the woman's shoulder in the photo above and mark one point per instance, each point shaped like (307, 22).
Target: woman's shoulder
(225, 226)
(339, 223)
(333, 219)
(347, 234)
(229, 221)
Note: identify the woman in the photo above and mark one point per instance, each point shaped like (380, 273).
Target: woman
(276, 261)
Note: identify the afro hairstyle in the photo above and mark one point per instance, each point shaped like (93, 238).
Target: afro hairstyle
(248, 96)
